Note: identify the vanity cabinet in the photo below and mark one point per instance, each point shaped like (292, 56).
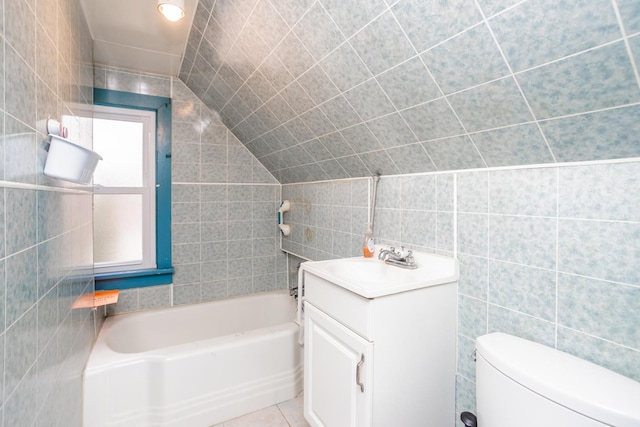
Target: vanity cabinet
(339, 380)
(382, 360)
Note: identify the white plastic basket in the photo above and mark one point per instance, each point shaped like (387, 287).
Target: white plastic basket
(70, 161)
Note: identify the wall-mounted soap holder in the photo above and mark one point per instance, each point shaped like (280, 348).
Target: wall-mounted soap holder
(96, 299)
(69, 161)
(54, 127)
(51, 126)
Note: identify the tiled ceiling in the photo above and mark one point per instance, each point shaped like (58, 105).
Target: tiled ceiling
(332, 89)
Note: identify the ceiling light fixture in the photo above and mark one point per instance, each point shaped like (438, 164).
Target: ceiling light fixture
(173, 10)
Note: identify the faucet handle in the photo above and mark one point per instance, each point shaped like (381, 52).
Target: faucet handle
(409, 257)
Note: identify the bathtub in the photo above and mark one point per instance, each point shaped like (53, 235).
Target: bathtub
(194, 366)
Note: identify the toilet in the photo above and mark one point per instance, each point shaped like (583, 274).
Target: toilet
(525, 384)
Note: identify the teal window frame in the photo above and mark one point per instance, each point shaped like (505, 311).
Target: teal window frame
(163, 273)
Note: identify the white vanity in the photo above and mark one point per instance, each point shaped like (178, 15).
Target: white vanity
(379, 343)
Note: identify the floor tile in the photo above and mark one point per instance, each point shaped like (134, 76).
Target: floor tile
(293, 411)
(268, 417)
(285, 414)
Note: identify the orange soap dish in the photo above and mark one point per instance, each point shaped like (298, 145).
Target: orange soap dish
(97, 298)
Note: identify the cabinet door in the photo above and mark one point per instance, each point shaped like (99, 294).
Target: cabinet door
(338, 367)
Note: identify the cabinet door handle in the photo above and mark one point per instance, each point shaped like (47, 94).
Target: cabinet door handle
(358, 366)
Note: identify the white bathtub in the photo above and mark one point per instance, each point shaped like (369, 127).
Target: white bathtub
(194, 366)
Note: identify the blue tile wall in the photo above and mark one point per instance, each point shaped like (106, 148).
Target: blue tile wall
(593, 80)
(515, 145)
(612, 241)
(469, 59)
(511, 82)
(328, 219)
(604, 192)
(548, 253)
(549, 30)
(608, 134)
(46, 244)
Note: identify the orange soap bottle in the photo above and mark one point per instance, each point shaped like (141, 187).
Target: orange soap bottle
(368, 248)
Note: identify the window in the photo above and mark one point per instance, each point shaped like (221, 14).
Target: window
(132, 197)
(124, 197)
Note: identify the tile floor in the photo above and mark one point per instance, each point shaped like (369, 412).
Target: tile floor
(285, 414)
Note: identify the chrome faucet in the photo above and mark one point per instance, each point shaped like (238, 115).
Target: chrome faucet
(388, 253)
(390, 256)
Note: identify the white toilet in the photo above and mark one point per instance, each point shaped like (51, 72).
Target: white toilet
(525, 384)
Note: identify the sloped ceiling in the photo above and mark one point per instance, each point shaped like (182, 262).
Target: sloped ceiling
(331, 89)
(133, 35)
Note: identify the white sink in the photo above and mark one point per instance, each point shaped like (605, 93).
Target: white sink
(371, 278)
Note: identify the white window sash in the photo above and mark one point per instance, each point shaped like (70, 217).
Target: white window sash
(148, 191)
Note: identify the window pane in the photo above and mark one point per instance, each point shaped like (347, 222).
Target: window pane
(118, 228)
(120, 145)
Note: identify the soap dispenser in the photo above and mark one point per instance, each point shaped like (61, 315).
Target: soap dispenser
(368, 248)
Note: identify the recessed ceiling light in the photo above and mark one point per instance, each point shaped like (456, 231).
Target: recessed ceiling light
(173, 10)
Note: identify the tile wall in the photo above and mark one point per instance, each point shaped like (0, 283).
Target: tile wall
(549, 254)
(329, 219)
(46, 243)
(330, 89)
(225, 239)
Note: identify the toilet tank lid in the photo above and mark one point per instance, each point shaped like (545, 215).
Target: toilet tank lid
(579, 385)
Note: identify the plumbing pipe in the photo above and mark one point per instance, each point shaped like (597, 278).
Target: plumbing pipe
(299, 318)
(374, 193)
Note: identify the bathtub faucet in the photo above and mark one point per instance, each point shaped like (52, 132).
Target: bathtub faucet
(293, 289)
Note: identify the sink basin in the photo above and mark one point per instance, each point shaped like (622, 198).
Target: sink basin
(371, 271)
(371, 278)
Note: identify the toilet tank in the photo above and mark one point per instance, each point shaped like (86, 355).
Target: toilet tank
(525, 384)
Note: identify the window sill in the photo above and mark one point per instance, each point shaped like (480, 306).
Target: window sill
(134, 279)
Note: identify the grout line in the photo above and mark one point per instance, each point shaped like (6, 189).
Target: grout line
(488, 252)
(627, 45)
(455, 215)
(557, 266)
(601, 338)
(225, 184)
(558, 271)
(500, 168)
